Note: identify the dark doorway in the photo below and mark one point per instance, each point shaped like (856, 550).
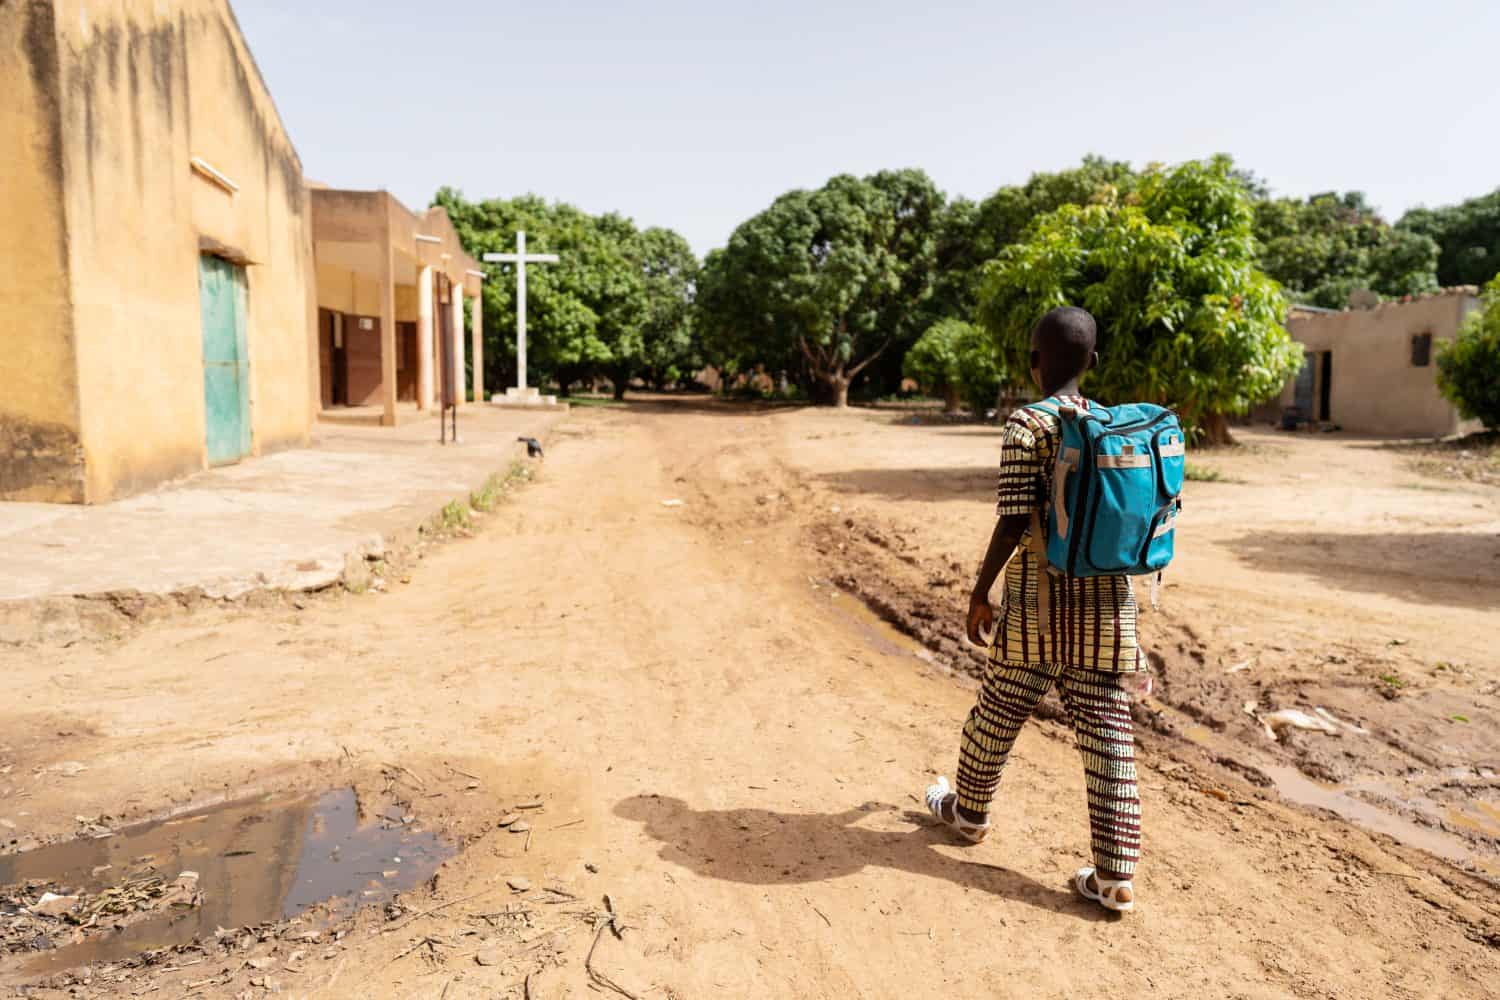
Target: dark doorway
(333, 359)
(1325, 384)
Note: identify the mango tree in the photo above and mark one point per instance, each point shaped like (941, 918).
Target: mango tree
(1185, 317)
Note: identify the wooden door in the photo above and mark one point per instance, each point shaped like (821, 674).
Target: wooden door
(362, 360)
(226, 363)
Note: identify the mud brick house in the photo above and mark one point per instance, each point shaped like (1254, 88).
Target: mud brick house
(156, 306)
(391, 290)
(1373, 370)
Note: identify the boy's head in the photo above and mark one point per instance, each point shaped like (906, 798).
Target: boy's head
(1062, 347)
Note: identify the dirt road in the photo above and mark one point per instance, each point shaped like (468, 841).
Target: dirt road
(723, 742)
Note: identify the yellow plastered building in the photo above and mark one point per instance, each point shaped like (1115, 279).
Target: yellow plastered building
(157, 307)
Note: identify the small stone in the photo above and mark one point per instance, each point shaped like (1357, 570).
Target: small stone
(520, 826)
(489, 956)
(589, 866)
(519, 883)
(509, 818)
(533, 804)
(262, 963)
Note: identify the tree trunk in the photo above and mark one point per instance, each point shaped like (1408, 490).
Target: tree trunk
(838, 390)
(619, 385)
(1216, 430)
(950, 398)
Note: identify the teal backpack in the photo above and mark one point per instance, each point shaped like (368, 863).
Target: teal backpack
(1116, 490)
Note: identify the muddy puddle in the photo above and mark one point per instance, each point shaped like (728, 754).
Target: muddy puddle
(878, 632)
(255, 861)
(1352, 803)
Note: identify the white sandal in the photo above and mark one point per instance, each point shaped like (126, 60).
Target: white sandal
(937, 794)
(1108, 895)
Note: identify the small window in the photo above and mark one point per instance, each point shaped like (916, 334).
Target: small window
(1421, 350)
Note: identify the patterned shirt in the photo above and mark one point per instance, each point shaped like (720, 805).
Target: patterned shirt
(1092, 620)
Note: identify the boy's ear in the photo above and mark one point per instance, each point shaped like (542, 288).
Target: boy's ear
(1093, 361)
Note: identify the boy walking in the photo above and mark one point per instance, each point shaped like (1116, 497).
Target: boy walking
(1076, 632)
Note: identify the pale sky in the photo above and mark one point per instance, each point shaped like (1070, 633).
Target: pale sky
(695, 115)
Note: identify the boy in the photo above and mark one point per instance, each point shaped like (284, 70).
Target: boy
(1087, 645)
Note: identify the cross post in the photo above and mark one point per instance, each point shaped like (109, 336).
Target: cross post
(521, 258)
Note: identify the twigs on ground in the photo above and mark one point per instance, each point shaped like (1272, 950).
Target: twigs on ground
(425, 939)
(435, 909)
(606, 920)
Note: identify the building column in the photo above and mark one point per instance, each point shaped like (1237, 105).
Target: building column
(476, 324)
(457, 302)
(424, 339)
(388, 334)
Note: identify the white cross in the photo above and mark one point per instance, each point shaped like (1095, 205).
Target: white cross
(521, 258)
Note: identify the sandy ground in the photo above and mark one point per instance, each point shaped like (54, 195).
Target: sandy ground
(725, 743)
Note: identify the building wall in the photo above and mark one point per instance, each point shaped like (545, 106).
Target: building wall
(41, 455)
(147, 87)
(1375, 388)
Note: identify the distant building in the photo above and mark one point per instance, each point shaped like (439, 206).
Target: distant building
(1373, 370)
(391, 291)
(156, 306)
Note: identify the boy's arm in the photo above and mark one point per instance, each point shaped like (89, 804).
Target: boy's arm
(1018, 493)
(1003, 541)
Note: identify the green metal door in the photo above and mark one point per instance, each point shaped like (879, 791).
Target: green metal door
(226, 365)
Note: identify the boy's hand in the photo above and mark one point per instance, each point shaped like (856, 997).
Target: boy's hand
(981, 623)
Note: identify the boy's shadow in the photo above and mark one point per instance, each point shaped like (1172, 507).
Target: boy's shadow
(760, 847)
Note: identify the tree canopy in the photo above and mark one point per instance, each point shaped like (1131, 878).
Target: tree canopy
(1324, 247)
(1468, 365)
(616, 304)
(835, 276)
(1468, 237)
(1186, 318)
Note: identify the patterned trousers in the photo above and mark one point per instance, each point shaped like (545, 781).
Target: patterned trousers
(1100, 710)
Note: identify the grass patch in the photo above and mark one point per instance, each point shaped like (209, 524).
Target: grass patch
(453, 516)
(1392, 680)
(1196, 473)
(598, 401)
(498, 486)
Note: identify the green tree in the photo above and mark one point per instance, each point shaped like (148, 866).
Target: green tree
(960, 361)
(970, 234)
(670, 270)
(1468, 235)
(1322, 248)
(836, 276)
(1185, 317)
(1469, 366)
(601, 310)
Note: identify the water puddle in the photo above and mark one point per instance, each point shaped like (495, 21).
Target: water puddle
(1294, 786)
(262, 860)
(1345, 801)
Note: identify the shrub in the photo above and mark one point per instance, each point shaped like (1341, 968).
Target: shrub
(958, 360)
(1469, 366)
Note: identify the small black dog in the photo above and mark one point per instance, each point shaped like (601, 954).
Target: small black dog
(533, 447)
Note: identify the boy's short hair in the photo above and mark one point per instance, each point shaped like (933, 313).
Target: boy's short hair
(1063, 341)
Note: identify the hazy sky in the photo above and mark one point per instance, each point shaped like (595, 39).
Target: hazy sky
(695, 115)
